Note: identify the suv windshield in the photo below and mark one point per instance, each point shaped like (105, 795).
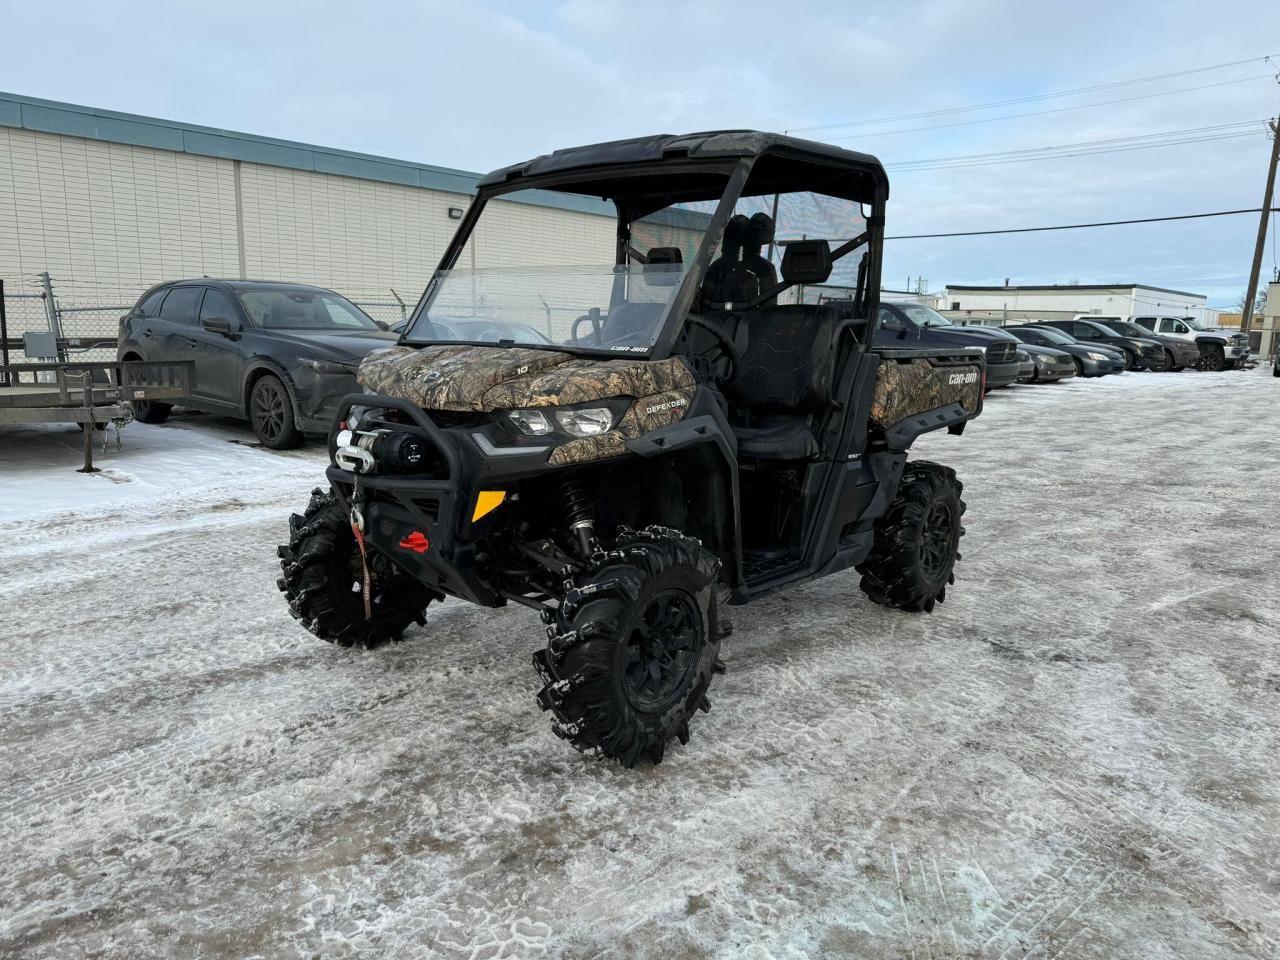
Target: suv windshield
(302, 308)
(1054, 336)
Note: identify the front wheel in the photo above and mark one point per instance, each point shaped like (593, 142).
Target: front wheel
(323, 580)
(1212, 358)
(917, 540)
(633, 646)
(1164, 364)
(271, 413)
(149, 411)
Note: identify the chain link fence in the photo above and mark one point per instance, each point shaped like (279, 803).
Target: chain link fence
(86, 315)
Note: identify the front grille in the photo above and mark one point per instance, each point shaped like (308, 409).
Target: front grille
(458, 418)
(1001, 352)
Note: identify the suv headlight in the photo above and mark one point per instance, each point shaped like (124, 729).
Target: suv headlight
(327, 366)
(1098, 356)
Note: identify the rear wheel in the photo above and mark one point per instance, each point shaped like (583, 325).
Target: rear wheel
(323, 581)
(917, 540)
(271, 413)
(633, 647)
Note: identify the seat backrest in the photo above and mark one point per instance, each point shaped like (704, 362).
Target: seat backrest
(727, 279)
(789, 357)
(759, 233)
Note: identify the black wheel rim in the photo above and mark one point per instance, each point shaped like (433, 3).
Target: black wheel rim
(268, 411)
(935, 542)
(661, 651)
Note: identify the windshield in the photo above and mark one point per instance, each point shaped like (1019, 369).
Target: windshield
(1194, 324)
(1054, 336)
(542, 272)
(924, 316)
(1129, 329)
(619, 309)
(301, 308)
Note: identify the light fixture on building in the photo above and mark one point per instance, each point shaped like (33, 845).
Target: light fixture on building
(455, 213)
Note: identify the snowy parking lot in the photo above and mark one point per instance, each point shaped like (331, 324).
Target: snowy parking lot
(1075, 756)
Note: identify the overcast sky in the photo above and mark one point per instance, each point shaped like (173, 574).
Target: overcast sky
(478, 86)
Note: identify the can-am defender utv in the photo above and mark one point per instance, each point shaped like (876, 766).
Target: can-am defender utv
(627, 445)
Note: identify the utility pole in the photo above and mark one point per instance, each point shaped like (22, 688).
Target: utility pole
(1246, 320)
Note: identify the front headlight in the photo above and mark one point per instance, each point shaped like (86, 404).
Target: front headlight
(1098, 356)
(532, 423)
(585, 421)
(327, 366)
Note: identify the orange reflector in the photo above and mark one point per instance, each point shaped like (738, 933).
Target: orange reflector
(487, 502)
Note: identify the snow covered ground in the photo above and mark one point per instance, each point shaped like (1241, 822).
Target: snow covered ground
(1076, 756)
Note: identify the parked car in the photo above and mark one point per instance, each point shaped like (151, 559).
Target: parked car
(1091, 360)
(280, 355)
(1219, 349)
(1048, 364)
(1179, 354)
(916, 323)
(1140, 352)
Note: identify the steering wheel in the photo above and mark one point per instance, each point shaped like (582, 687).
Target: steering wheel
(722, 350)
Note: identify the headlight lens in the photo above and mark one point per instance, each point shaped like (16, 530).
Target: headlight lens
(327, 366)
(532, 423)
(585, 421)
(1098, 356)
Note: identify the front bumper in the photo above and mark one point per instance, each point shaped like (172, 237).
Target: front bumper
(1002, 374)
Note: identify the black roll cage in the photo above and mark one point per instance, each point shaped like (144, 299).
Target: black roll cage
(738, 170)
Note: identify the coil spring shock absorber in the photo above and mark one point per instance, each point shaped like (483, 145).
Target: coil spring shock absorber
(575, 503)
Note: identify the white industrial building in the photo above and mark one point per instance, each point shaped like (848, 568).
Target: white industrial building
(1058, 301)
(109, 203)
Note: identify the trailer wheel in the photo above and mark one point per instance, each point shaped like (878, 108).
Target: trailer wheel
(322, 578)
(633, 647)
(917, 540)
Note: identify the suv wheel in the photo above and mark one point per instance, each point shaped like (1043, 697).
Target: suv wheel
(323, 579)
(917, 540)
(271, 413)
(1164, 364)
(149, 411)
(633, 647)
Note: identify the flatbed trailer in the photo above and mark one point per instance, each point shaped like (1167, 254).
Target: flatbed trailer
(89, 393)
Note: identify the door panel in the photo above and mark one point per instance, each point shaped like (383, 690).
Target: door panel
(217, 356)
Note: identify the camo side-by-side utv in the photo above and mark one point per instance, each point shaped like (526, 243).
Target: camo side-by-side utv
(629, 445)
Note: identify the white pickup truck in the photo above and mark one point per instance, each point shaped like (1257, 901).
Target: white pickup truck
(1219, 349)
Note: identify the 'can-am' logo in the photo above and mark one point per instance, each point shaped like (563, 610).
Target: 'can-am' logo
(669, 405)
(959, 378)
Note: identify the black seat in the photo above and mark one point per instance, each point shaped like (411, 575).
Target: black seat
(777, 437)
(784, 378)
(759, 232)
(727, 279)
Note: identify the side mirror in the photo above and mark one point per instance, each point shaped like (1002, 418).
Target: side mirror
(806, 261)
(218, 325)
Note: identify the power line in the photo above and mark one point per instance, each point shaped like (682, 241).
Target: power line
(1089, 152)
(1032, 99)
(1077, 226)
(1041, 113)
(999, 154)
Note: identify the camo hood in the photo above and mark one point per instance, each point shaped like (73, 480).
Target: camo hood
(483, 379)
